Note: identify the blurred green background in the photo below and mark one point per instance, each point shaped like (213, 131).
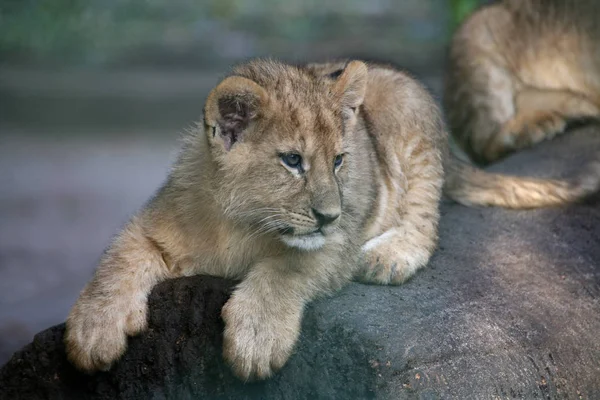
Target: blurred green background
(149, 63)
(94, 93)
(117, 32)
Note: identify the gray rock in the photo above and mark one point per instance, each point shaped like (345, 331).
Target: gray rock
(509, 307)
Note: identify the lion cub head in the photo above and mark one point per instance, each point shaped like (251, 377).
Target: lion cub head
(281, 137)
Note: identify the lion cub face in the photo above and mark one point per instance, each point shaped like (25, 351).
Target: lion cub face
(281, 137)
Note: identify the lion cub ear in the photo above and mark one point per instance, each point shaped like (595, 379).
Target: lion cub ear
(231, 107)
(352, 84)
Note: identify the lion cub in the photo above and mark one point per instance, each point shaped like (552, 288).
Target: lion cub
(300, 179)
(519, 70)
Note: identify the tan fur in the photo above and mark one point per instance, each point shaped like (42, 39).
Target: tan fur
(232, 207)
(519, 70)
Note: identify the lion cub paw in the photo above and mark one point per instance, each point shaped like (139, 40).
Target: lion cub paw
(391, 263)
(256, 344)
(95, 338)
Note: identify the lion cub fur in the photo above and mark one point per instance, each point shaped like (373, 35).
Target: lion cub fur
(362, 203)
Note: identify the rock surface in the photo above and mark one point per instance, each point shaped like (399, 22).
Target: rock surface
(508, 307)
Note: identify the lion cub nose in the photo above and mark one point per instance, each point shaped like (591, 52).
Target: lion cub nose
(325, 217)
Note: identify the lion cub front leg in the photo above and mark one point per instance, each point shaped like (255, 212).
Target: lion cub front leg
(396, 254)
(262, 318)
(113, 305)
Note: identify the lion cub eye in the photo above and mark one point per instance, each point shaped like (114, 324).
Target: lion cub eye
(337, 162)
(292, 160)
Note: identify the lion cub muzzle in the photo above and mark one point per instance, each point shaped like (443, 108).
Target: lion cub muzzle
(316, 226)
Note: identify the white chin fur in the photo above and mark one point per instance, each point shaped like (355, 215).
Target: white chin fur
(307, 242)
